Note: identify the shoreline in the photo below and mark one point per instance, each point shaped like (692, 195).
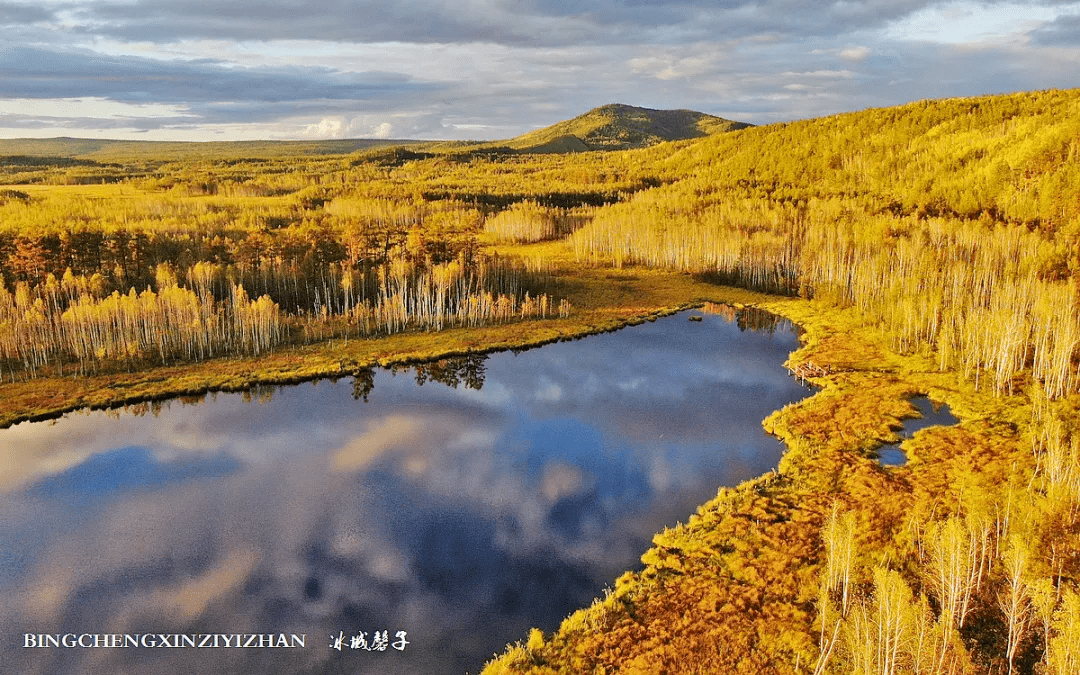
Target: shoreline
(43, 399)
(166, 393)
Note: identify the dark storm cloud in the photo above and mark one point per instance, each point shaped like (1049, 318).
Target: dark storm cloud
(412, 21)
(35, 72)
(1064, 31)
(511, 22)
(14, 14)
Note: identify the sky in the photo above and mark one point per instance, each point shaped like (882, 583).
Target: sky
(208, 70)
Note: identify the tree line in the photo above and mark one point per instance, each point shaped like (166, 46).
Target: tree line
(123, 281)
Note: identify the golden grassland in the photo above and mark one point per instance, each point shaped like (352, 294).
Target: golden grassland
(928, 249)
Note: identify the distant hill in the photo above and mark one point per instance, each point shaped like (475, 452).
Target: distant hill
(609, 127)
(621, 127)
(104, 150)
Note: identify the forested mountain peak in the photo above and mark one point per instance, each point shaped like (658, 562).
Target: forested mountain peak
(617, 126)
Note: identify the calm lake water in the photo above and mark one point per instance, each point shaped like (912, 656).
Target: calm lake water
(503, 493)
(930, 414)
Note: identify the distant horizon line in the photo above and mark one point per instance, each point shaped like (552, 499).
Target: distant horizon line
(248, 140)
(493, 140)
(369, 139)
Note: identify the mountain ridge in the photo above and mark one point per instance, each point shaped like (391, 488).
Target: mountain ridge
(614, 126)
(618, 126)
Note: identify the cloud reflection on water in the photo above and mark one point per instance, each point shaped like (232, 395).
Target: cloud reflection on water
(461, 515)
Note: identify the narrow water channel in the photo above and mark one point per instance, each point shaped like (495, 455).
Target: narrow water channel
(451, 507)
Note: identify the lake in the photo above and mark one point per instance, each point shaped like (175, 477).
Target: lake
(437, 512)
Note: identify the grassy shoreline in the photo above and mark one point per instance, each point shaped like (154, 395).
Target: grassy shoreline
(734, 589)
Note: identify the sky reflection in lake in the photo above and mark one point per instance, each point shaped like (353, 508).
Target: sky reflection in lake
(460, 515)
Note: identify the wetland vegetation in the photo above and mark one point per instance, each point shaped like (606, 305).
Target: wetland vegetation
(927, 249)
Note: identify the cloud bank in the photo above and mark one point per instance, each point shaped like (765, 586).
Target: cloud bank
(494, 68)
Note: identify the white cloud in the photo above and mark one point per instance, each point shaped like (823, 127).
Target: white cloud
(89, 107)
(327, 127)
(968, 22)
(549, 391)
(855, 54)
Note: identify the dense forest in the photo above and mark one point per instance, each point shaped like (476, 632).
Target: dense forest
(930, 248)
(953, 224)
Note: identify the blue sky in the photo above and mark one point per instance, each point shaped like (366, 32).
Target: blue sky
(488, 69)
